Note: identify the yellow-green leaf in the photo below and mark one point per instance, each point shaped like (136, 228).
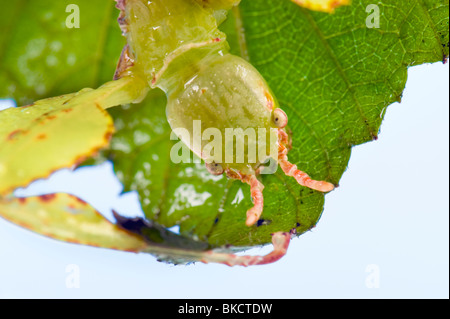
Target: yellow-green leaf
(59, 132)
(49, 135)
(67, 218)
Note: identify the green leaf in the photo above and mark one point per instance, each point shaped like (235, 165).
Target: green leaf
(332, 75)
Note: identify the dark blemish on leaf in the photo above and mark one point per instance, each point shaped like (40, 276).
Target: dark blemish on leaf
(47, 198)
(301, 202)
(298, 224)
(263, 222)
(108, 136)
(13, 134)
(79, 200)
(45, 117)
(216, 221)
(131, 224)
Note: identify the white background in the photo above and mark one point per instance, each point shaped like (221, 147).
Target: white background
(384, 233)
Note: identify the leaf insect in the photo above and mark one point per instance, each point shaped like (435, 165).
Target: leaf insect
(188, 57)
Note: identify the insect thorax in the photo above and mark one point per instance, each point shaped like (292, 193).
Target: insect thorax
(178, 47)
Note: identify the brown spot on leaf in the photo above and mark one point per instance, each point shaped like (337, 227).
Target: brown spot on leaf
(335, 4)
(41, 137)
(47, 198)
(108, 136)
(72, 241)
(130, 250)
(13, 134)
(79, 200)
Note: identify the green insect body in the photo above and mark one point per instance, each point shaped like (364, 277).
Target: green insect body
(176, 46)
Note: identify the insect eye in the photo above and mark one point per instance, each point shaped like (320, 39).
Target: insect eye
(279, 118)
(214, 168)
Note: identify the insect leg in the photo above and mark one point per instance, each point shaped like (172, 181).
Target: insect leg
(256, 189)
(280, 241)
(291, 170)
